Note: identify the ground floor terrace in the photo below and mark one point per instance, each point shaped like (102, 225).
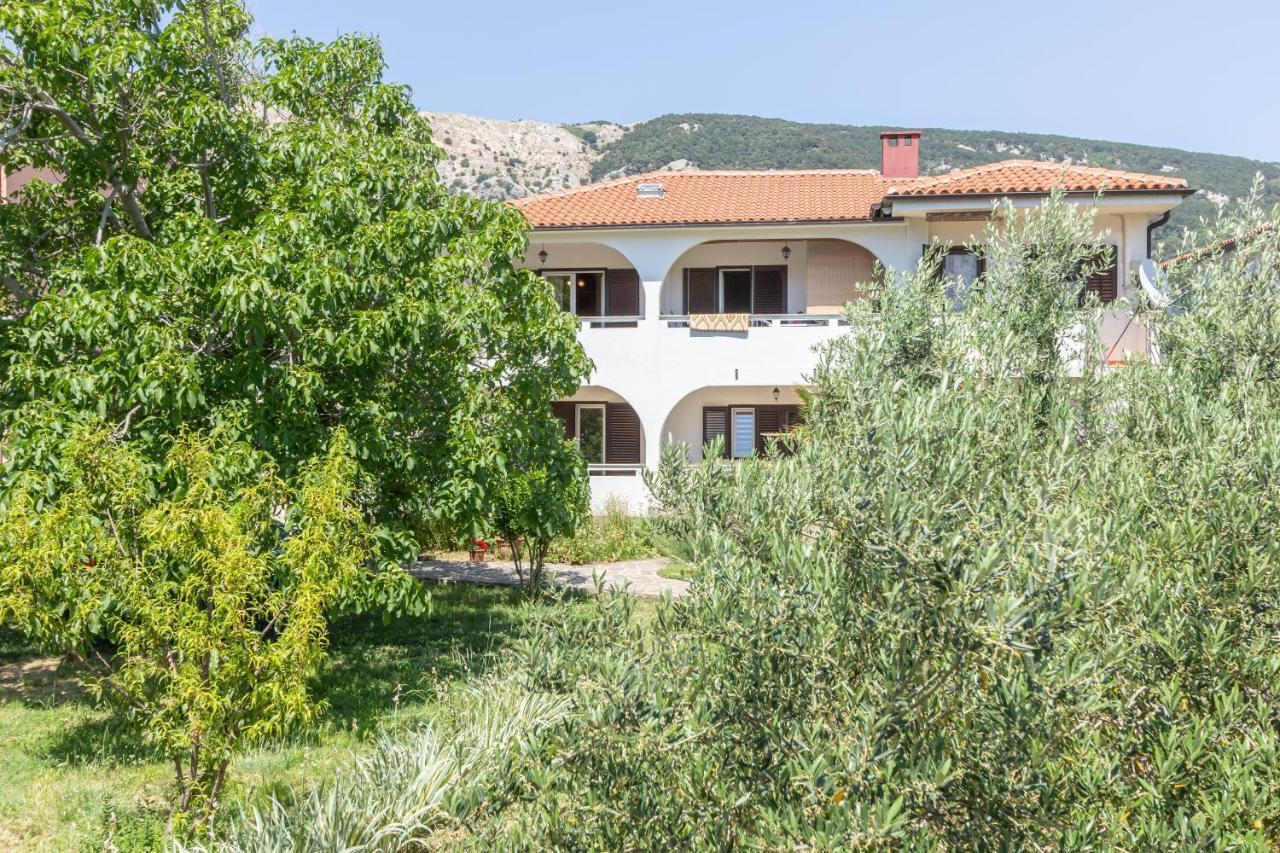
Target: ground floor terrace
(620, 438)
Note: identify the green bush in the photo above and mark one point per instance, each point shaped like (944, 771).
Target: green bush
(614, 535)
(997, 597)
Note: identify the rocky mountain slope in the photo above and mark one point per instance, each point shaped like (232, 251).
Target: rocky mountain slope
(507, 159)
(497, 159)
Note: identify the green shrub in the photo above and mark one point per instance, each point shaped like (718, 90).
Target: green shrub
(990, 601)
(614, 535)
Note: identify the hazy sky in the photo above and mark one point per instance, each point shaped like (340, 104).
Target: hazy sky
(1198, 75)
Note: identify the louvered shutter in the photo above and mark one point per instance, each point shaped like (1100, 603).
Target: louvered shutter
(1104, 282)
(565, 412)
(622, 293)
(769, 421)
(700, 291)
(792, 415)
(622, 434)
(715, 424)
(770, 290)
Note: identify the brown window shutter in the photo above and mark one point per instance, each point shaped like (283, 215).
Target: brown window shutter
(769, 421)
(792, 416)
(701, 286)
(622, 293)
(770, 290)
(1104, 282)
(715, 423)
(565, 412)
(622, 434)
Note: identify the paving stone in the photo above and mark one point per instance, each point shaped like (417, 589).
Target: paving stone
(638, 577)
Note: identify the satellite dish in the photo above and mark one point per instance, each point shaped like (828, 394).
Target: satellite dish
(1151, 278)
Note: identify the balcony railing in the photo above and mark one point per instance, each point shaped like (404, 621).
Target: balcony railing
(766, 321)
(619, 322)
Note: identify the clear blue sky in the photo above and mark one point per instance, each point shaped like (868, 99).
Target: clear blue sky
(1199, 75)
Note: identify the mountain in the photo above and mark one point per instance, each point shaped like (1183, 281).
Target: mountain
(508, 159)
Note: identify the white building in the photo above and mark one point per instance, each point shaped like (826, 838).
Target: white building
(702, 294)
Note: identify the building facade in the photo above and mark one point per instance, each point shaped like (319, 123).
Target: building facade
(703, 294)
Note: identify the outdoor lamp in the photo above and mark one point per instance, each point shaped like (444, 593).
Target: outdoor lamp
(542, 256)
(786, 252)
(776, 394)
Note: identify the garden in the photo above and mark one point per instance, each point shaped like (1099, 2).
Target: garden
(254, 360)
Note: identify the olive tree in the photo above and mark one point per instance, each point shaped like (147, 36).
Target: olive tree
(996, 597)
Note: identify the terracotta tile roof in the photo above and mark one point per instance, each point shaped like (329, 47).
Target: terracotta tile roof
(1031, 176)
(810, 195)
(689, 198)
(1228, 244)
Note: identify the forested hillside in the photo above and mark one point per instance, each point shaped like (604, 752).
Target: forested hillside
(709, 141)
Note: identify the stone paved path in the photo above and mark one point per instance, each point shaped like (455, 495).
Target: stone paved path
(640, 577)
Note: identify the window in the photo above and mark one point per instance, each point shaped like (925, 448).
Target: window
(748, 429)
(961, 267)
(590, 431)
(744, 433)
(1105, 279)
(579, 292)
(735, 291)
(605, 433)
(561, 283)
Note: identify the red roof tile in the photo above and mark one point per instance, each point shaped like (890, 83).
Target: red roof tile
(811, 195)
(689, 198)
(1031, 176)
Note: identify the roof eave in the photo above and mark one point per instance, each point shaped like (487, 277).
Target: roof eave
(774, 223)
(1182, 191)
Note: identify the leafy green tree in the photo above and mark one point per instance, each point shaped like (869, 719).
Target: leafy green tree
(253, 237)
(540, 503)
(199, 611)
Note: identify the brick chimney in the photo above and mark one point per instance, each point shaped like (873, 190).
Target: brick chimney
(901, 150)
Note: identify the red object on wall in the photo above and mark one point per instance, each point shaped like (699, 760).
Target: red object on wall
(901, 153)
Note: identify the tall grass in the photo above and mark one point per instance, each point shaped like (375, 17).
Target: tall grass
(616, 534)
(410, 786)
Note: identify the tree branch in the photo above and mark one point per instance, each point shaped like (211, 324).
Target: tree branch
(102, 220)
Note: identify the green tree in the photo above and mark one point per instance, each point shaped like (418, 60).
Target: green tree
(253, 237)
(539, 503)
(200, 611)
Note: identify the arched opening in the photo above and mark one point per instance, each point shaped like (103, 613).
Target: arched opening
(594, 281)
(746, 417)
(764, 278)
(606, 429)
(610, 435)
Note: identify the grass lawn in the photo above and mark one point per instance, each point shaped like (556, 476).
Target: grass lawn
(71, 778)
(676, 571)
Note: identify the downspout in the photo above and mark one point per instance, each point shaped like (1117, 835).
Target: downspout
(1153, 225)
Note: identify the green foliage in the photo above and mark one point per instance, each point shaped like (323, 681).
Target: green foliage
(254, 238)
(411, 785)
(993, 599)
(539, 503)
(613, 535)
(76, 778)
(194, 610)
(713, 141)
